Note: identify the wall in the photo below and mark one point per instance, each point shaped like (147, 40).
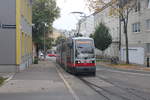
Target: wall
(7, 35)
(26, 33)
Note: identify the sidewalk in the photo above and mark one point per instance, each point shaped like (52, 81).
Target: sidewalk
(6, 75)
(124, 66)
(38, 80)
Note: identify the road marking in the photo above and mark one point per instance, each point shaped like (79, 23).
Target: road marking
(9, 78)
(75, 97)
(124, 72)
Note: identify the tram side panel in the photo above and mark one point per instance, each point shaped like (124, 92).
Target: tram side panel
(70, 58)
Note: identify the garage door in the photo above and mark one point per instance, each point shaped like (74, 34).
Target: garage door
(136, 55)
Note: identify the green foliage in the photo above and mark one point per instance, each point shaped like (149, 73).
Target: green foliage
(49, 42)
(2, 80)
(58, 40)
(102, 37)
(44, 14)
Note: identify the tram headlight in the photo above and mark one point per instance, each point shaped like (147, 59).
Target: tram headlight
(78, 62)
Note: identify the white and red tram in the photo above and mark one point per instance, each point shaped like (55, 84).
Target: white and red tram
(77, 55)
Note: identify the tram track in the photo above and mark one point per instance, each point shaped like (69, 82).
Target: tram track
(129, 90)
(104, 92)
(100, 90)
(90, 85)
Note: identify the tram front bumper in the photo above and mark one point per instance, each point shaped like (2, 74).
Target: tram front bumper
(85, 69)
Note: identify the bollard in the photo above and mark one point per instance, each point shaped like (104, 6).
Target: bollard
(147, 61)
(35, 60)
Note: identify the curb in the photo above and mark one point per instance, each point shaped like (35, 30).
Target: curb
(147, 72)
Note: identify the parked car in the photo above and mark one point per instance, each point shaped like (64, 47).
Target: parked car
(51, 55)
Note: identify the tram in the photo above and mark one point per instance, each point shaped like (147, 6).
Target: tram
(77, 55)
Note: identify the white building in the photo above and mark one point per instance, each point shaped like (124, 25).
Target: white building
(87, 26)
(138, 34)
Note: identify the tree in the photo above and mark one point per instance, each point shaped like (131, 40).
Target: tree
(102, 37)
(121, 8)
(49, 42)
(44, 14)
(58, 40)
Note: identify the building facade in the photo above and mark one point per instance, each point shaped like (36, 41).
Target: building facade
(87, 26)
(138, 34)
(15, 35)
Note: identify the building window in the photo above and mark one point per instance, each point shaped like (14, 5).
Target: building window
(148, 47)
(148, 3)
(136, 27)
(148, 24)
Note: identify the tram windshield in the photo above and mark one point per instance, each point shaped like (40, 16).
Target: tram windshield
(84, 49)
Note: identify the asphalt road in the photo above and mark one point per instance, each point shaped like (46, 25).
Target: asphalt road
(112, 84)
(48, 81)
(122, 84)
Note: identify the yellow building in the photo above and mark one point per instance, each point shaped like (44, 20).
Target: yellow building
(24, 33)
(15, 35)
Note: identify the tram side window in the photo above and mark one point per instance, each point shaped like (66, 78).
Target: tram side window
(68, 51)
(72, 55)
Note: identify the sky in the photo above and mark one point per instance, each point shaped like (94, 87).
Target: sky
(68, 21)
